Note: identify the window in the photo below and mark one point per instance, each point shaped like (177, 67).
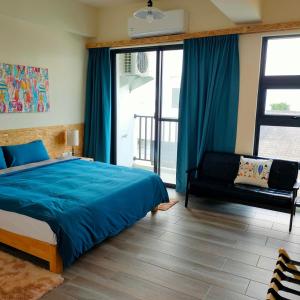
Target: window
(175, 97)
(278, 107)
(146, 97)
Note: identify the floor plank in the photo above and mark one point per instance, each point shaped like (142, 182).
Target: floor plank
(120, 262)
(178, 250)
(216, 293)
(257, 290)
(211, 251)
(289, 246)
(182, 266)
(199, 233)
(266, 263)
(219, 230)
(212, 248)
(247, 271)
(285, 236)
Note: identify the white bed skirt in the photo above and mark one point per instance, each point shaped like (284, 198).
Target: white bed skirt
(27, 226)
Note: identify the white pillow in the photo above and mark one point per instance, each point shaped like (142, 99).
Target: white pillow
(254, 171)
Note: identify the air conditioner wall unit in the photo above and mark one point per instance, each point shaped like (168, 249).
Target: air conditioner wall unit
(174, 22)
(134, 64)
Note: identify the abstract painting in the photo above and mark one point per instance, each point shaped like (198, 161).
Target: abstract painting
(23, 89)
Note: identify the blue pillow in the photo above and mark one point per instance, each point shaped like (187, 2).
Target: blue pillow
(23, 154)
(2, 160)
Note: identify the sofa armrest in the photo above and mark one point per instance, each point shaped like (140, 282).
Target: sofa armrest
(190, 171)
(295, 189)
(296, 185)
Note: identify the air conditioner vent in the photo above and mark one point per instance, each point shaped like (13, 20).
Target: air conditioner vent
(127, 63)
(142, 62)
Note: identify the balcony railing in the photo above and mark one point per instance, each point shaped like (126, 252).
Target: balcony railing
(145, 132)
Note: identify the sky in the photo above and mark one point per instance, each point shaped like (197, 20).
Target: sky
(283, 58)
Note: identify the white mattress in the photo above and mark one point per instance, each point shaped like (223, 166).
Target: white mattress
(27, 226)
(23, 225)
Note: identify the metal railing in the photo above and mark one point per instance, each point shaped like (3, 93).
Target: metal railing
(145, 132)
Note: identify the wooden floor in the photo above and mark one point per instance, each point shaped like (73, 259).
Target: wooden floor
(210, 251)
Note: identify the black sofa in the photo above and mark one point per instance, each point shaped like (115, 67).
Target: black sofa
(215, 177)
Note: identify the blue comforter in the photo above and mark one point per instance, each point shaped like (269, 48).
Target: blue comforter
(82, 202)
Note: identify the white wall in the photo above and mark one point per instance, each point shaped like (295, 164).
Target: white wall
(250, 54)
(63, 53)
(250, 51)
(62, 15)
(50, 34)
(203, 15)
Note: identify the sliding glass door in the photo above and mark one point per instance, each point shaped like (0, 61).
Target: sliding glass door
(146, 95)
(135, 102)
(168, 121)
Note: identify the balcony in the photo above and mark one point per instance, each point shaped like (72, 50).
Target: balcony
(144, 127)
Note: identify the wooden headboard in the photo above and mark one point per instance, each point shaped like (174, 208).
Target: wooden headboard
(52, 136)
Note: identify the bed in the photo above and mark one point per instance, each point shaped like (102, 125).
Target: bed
(58, 209)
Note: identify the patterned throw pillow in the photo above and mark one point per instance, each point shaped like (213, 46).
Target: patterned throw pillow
(254, 171)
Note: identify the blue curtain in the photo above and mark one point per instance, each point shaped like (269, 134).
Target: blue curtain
(97, 126)
(208, 101)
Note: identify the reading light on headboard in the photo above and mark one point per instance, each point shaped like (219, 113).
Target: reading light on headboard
(72, 139)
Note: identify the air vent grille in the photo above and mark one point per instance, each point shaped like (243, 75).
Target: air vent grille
(127, 63)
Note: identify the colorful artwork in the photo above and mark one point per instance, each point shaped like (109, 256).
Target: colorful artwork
(23, 89)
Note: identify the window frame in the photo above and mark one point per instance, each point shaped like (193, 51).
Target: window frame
(273, 82)
(159, 49)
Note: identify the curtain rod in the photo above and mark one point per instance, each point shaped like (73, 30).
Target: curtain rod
(147, 45)
(248, 29)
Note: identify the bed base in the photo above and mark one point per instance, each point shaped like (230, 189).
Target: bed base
(37, 248)
(154, 209)
(34, 247)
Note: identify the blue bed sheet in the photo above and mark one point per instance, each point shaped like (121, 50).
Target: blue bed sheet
(82, 202)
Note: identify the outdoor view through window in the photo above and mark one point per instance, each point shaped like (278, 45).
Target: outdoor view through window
(147, 110)
(278, 117)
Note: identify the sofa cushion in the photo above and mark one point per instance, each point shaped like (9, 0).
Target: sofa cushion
(245, 194)
(200, 184)
(219, 166)
(224, 167)
(263, 191)
(267, 196)
(283, 174)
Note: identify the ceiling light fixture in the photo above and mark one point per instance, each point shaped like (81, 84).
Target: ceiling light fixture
(149, 13)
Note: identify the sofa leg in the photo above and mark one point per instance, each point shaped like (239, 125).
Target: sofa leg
(186, 198)
(291, 219)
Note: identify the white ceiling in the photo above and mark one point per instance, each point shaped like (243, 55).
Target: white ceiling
(99, 3)
(240, 11)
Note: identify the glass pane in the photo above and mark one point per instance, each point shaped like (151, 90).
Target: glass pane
(168, 151)
(171, 79)
(172, 68)
(283, 56)
(283, 102)
(279, 142)
(135, 88)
